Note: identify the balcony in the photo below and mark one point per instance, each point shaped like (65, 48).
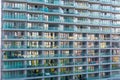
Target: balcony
(93, 46)
(82, 22)
(79, 54)
(65, 55)
(95, 1)
(93, 54)
(80, 46)
(116, 24)
(20, 17)
(95, 15)
(36, 18)
(105, 76)
(114, 75)
(19, 65)
(93, 62)
(83, 14)
(80, 71)
(104, 69)
(80, 63)
(14, 27)
(6, 76)
(55, 55)
(39, 1)
(51, 10)
(105, 61)
(93, 78)
(105, 46)
(105, 54)
(13, 37)
(93, 70)
(36, 9)
(50, 73)
(66, 46)
(106, 9)
(55, 2)
(106, 1)
(35, 28)
(85, 6)
(68, 29)
(66, 72)
(67, 3)
(94, 23)
(68, 20)
(57, 20)
(94, 8)
(13, 47)
(39, 74)
(6, 37)
(115, 3)
(116, 68)
(15, 8)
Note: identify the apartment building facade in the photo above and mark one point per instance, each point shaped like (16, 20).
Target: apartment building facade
(60, 39)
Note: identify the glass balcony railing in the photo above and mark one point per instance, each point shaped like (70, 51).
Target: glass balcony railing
(13, 37)
(36, 18)
(66, 46)
(83, 14)
(68, 29)
(95, 0)
(35, 0)
(13, 66)
(105, 54)
(94, 23)
(80, 62)
(55, 2)
(22, 56)
(80, 71)
(50, 73)
(95, 15)
(94, 8)
(105, 61)
(80, 46)
(44, 46)
(93, 54)
(105, 76)
(82, 22)
(68, 3)
(114, 75)
(92, 70)
(116, 24)
(42, 65)
(15, 8)
(66, 72)
(106, 1)
(36, 9)
(34, 74)
(13, 47)
(15, 17)
(7, 76)
(94, 46)
(13, 27)
(54, 20)
(51, 10)
(69, 20)
(93, 78)
(104, 69)
(115, 2)
(35, 27)
(115, 68)
(93, 62)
